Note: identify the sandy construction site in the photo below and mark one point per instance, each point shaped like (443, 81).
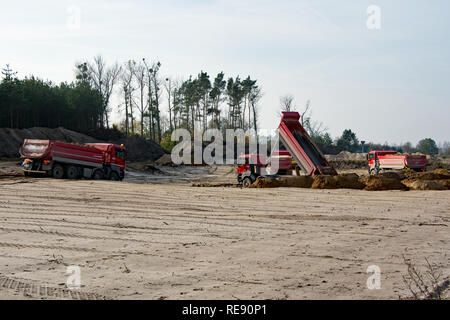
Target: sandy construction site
(159, 237)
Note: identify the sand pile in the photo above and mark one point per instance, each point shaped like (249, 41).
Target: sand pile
(438, 174)
(324, 182)
(378, 183)
(423, 184)
(445, 183)
(349, 181)
(266, 183)
(438, 179)
(165, 160)
(138, 149)
(397, 175)
(296, 182)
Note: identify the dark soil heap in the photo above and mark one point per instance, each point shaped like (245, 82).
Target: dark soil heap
(138, 149)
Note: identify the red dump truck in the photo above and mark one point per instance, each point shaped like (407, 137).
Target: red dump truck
(297, 145)
(67, 160)
(381, 160)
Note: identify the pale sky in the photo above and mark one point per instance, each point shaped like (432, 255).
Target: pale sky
(389, 84)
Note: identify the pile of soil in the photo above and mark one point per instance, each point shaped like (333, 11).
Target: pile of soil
(423, 184)
(145, 167)
(296, 182)
(324, 182)
(11, 139)
(138, 149)
(165, 160)
(397, 175)
(438, 179)
(379, 183)
(348, 164)
(349, 181)
(438, 174)
(266, 183)
(346, 155)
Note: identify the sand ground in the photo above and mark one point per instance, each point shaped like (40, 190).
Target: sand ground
(148, 239)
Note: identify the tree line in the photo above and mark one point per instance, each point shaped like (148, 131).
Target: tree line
(32, 102)
(199, 102)
(348, 141)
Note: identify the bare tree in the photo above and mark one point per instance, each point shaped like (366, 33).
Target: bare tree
(140, 75)
(254, 97)
(287, 102)
(169, 85)
(154, 72)
(104, 79)
(128, 89)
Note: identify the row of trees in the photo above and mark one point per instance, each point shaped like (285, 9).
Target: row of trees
(198, 102)
(348, 141)
(32, 102)
(194, 103)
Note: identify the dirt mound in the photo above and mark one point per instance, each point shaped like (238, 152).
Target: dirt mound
(348, 164)
(138, 149)
(398, 175)
(345, 155)
(378, 183)
(144, 167)
(324, 182)
(423, 184)
(12, 139)
(445, 183)
(438, 174)
(443, 172)
(296, 182)
(265, 183)
(349, 181)
(165, 160)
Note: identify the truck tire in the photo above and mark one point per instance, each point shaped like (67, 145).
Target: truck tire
(58, 171)
(114, 176)
(72, 172)
(99, 175)
(246, 182)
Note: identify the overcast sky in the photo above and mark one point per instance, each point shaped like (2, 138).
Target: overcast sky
(389, 84)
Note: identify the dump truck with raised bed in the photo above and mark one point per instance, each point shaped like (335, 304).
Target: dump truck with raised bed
(297, 145)
(67, 160)
(381, 160)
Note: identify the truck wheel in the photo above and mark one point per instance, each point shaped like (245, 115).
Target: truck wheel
(114, 176)
(72, 172)
(246, 182)
(98, 175)
(58, 171)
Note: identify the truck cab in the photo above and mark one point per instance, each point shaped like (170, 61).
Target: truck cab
(115, 156)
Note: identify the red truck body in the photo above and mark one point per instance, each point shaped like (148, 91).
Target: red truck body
(379, 160)
(60, 159)
(307, 155)
(282, 158)
(298, 145)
